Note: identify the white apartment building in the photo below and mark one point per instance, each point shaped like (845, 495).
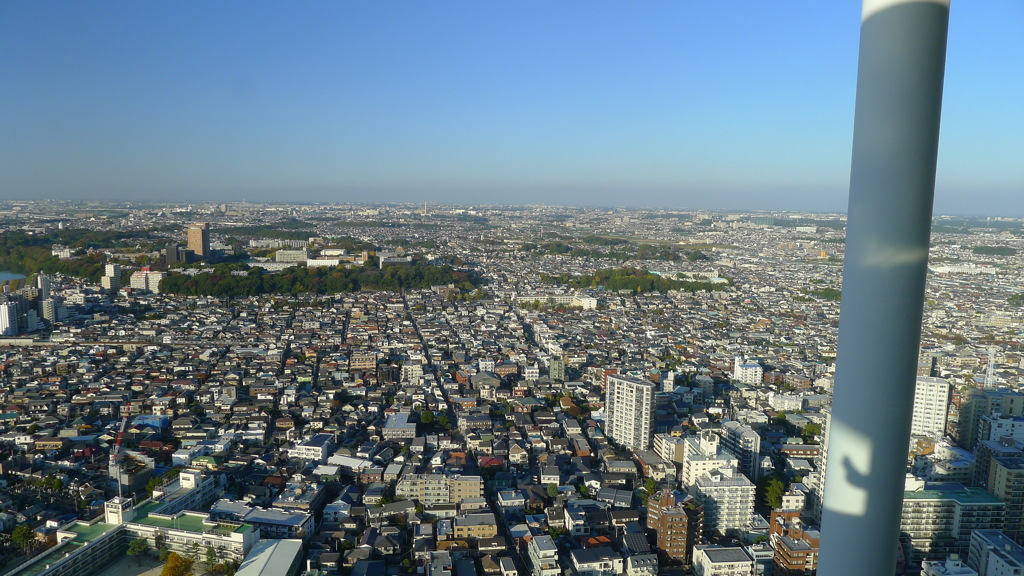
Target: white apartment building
(931, 404)
(701, 456)
(716, 560)
(146, 279)
(316, 449)
(728, 500)
(993, 553)
(746, 371)
(543, 556)
(8, 319)
(951, 566)
(629, 407)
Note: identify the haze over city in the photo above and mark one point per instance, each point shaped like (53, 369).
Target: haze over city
(724, 105)
(512, 289)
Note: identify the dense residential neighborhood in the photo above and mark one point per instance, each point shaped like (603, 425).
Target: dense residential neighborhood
(587, 392)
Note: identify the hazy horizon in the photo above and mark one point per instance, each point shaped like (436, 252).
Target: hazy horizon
(730, 106)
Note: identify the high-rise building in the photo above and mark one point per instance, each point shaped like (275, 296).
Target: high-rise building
(199, 240)
(147, 279)
(8, 319)
(931, 404)
(111, 280)
(702, 456)
(43, 283)
(742, 442)
(53, 310)
(728, 500)
(629, 407)
(556, 368)
(815, 481)
(1006, 482)
(981, 402)
(172, 254)
(678, 522)
(939, 518)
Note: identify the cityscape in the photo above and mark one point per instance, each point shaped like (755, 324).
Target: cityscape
(559, 288)
(456, 390)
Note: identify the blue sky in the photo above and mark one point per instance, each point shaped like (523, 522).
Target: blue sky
(687, 104)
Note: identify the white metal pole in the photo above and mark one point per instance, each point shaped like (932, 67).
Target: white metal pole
(892, 183)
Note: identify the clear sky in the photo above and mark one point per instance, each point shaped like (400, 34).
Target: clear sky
(682, 104)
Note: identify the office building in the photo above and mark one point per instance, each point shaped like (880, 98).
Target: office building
(931, 404)
(629, 408)
(172, 254)
(199, 240)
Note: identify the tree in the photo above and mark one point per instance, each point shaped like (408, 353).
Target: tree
(444, 422)
(138, 547)
(176, 565)
(211, 556)
(770, 490)
(552, 491)
(650, 485)
(160, 543)
(810, 431)
(152, 485)
(426, 417)
(24, 537)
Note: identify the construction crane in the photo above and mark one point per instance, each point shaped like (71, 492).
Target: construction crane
(117, 445)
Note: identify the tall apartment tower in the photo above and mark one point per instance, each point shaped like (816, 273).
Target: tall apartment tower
(629, 407)
(199, 240)
(1006, 482)
(8, 319)
(981, 402)
(742, 442)
(931, 404)
(111, 280)
(43, 283)
(677, 521)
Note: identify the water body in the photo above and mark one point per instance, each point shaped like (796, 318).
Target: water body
(5, 276)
